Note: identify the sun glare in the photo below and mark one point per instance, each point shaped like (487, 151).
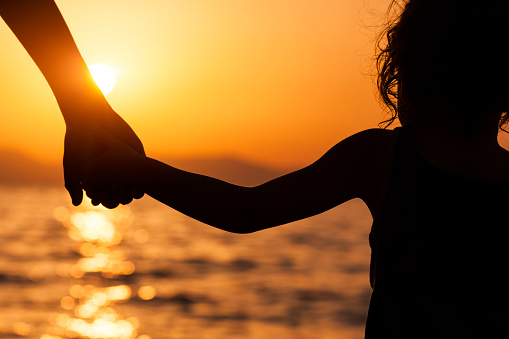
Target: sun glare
(89, 309)
(103, 76)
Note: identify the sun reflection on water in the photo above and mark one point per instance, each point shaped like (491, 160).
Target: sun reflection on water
(95, 278)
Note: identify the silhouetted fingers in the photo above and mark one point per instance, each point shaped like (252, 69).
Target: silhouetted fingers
(72, 183)
(102, 198)
(126, 201)
(124, 194)
(109, 203)
(120, 193)
(96, 196)
(110, 196)
(75, 192)
(136, 193)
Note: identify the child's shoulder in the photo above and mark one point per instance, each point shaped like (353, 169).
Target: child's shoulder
(373, 141)
(380, 134)
(370, 157)
(378, 143)
(367, 154)
(374, 149)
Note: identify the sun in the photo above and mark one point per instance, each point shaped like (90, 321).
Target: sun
(103, 76)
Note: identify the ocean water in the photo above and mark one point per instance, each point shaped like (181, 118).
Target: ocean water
(145, 271)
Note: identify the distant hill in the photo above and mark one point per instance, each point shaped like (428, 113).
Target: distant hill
(19, 169)
(229, 169)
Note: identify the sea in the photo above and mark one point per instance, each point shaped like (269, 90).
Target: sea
(145, 271)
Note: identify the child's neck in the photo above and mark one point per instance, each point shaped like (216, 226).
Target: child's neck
(448, 146)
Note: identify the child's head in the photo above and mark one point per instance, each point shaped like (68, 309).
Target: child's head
(446, 53)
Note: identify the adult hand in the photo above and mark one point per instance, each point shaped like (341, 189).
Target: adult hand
(84, 142)
(109, 177)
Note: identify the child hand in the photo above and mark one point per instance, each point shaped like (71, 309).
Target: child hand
(109, 177)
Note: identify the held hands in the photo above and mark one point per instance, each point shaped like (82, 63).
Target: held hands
(110, 177)
(85, 144)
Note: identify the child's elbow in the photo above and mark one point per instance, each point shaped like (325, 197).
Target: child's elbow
(241, 226)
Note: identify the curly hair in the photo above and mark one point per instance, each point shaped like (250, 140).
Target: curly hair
(435, 51)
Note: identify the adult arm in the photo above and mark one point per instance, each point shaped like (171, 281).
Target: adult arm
(40, 27)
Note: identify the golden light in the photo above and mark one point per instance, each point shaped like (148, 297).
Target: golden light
(100, 231)
(93, 226)
(147, 292)
(22, 328)
(76, 291)
(63, 320)
(103, 76)
(100, 299)
(141, 236)
(67, 303)
(122, 292)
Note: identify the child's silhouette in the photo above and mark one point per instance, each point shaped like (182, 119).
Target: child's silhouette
(436, 187)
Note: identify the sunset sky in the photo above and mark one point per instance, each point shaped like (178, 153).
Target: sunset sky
(274, 82)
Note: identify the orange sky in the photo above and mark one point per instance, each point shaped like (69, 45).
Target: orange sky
(275, 82)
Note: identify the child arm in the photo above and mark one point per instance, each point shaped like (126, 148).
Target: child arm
(348, 170)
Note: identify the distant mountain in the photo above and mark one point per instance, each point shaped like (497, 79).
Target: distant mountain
(229, 169)
(19, 169)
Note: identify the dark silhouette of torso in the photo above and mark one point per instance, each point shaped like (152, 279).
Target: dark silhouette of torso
(438, 253)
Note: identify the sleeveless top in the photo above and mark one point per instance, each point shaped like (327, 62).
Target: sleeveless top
(439, 253)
